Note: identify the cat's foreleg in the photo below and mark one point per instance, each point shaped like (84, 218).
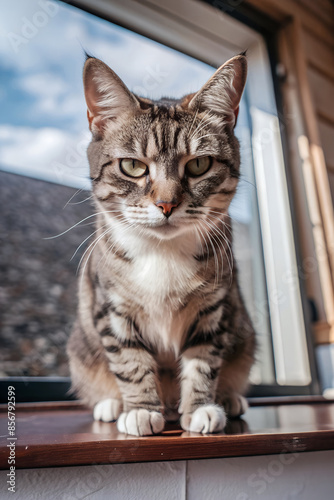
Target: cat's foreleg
(200, 367)
(234, 375)
(136, 374)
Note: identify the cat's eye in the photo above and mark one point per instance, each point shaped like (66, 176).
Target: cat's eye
(198, 166)
(133, 168)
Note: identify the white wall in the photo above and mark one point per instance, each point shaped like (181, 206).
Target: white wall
(304, 476)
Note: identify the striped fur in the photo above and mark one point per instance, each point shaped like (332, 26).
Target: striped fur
(162, 330)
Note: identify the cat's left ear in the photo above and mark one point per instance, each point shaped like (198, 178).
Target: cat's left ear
(221, 95)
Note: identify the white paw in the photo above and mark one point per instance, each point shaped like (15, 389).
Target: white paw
(107, 410)
(235, 405)
(140, 422)
(206, 419)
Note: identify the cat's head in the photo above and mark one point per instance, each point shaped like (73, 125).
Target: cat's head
(169, 166)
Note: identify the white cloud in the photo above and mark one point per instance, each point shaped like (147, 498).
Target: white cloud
(46, 153)
(43, 83)
(53, 95)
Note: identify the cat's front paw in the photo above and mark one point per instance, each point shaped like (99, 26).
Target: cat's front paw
(107, 410)
(141, 422)
(206, 419)
(235, 405)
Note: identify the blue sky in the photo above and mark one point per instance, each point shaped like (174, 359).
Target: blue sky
(43, 126)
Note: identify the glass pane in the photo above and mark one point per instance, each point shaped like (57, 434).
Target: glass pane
(248, 252)
(44, 135)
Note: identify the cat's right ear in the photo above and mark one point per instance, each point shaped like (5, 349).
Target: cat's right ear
(107, 97)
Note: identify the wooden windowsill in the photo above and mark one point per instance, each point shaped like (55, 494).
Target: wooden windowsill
(59, 434)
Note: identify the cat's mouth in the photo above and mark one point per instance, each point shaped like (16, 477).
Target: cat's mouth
(165, 230)
(165, 226)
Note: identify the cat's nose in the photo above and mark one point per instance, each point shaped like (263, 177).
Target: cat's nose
(167, 207)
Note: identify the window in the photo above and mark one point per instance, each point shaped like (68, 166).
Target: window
(43, 137)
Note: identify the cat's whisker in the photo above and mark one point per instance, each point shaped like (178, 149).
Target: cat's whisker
(221, 214)
(214, 254)
(73, 196)
(212, 217)
(198, 236)
(90, 245)
(207, 248)
(228, 226)
(229, 249)
(106, 255)
(225, 239)
(93, 245)
(228, 257)
(229, 254)
(84, 241)
(105, 232)
(82, 201)
(77, 224)
(111, 248)
(216, 260)
(217, 238)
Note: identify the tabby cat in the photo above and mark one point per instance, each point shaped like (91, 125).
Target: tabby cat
(162, 332)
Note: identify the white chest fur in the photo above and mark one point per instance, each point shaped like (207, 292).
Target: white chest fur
(164, 277)
(161, 277)
(163, 281)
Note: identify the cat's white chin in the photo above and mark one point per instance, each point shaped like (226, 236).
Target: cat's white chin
(165, 231)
